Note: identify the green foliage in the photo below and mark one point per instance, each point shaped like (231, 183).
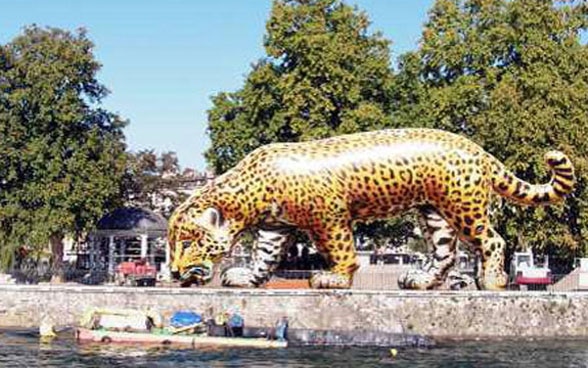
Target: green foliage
(512, 75)
(153, 181)
(394, 232)
(145, 172)
(324, 75)
(63, 155)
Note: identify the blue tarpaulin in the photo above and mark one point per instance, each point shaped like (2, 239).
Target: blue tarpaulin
(185, 318)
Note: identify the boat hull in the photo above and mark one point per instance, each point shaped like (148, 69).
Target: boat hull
(105, 336)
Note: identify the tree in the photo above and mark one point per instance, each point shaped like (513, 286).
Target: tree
(512, 75)
(153, 181)
(63, 155)
(323, 75)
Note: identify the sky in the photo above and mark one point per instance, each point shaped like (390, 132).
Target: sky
(163, 60)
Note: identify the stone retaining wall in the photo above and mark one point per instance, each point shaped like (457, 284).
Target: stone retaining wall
(437, 314)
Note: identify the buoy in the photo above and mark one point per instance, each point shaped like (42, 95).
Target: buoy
(393, 352)
(47, 329)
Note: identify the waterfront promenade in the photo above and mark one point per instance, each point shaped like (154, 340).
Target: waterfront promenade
(455, 314)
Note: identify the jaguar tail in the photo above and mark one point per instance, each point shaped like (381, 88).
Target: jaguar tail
(561, 184)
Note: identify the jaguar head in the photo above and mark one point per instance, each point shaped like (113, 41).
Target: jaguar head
(197, 242)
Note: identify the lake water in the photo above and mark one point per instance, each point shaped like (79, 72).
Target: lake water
(22, 349)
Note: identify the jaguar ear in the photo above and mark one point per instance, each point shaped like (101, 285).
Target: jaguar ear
(211, 218)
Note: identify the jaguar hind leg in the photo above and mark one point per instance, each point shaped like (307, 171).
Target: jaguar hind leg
(441, 240)
(490, 247)
(336, 244)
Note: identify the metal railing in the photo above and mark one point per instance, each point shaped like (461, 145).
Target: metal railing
(374, 277)
(386, 278)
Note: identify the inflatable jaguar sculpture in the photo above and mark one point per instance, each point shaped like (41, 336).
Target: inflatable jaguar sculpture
(324, 186)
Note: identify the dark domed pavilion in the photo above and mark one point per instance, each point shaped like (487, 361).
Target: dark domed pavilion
(129, 234)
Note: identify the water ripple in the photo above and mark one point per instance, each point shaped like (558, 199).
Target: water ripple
(22, 349)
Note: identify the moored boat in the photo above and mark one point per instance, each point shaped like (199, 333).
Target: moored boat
(163, 338)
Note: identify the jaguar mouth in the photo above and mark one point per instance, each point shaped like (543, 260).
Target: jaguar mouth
(197, 274)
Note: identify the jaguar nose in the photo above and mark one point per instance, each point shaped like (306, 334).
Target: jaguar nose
(198, 274)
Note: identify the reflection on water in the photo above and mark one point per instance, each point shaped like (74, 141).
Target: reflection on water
(21, 348)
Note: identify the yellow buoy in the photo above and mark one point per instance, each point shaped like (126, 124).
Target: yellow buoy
(393, 352)
(47, 329)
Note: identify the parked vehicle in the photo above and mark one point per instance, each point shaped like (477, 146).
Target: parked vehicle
(135, 273)
(526, 272)
(582, 265)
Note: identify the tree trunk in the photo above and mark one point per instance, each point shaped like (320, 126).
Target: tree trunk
(58, 272)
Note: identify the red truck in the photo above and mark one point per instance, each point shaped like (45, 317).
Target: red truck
(135, 273)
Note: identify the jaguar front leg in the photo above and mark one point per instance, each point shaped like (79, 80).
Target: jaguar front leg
(336, 243)
(268, 251)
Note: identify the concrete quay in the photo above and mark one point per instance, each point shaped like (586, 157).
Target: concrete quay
(436, 314)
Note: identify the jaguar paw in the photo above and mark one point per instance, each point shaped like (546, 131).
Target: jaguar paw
(493, 281)
(416, 279)
(238, 277)
(330, 280)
